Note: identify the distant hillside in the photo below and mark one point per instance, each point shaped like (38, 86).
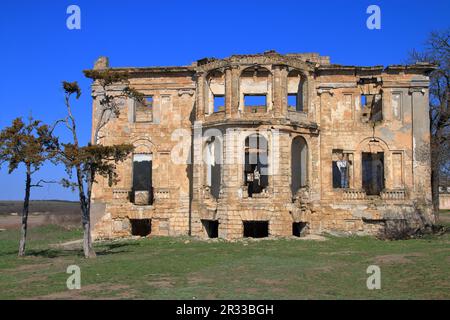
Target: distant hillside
(47, 206)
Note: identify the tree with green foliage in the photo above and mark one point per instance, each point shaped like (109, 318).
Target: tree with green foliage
(31, 145)
(95, 159)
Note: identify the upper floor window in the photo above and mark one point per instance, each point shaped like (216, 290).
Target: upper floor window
(143, 111)
(219, 103)
(255, 87)
(297, 91)
(215, 94)
(292, 101)
(255, 103)
(372, 107)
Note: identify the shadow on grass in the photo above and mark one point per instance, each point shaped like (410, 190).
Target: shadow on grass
(51, 253)
(55, 253)
(110, 248)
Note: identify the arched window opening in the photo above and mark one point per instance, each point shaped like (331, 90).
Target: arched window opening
(297, 92)
(214, 165)
(142, 190)
(373, 172)
(256, 90)
(215, 92)
(256, 173)
(299, 164)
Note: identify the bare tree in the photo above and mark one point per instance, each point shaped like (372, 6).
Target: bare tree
(31, 144)
(437, 51)
(94, 159)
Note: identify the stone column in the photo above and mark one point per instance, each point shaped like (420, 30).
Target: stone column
(197, 178)
(228, 92)
(231, 164)
(230, 196)
(280, 89)
(279, 163)
(357, 170)
(235, 75)
(421, 142)
(200, 96)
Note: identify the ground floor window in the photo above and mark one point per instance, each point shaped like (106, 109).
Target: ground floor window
(140, 227)
(256, 173)
(256, 229)
(211, 228)
(298, 228)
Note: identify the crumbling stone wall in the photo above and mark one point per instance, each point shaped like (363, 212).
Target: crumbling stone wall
(333, 121)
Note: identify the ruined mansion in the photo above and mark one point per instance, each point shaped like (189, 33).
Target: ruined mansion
(267, 145)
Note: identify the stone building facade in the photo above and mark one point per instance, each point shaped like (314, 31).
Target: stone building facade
(268, 145)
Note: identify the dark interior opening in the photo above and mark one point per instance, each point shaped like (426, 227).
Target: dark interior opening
(142, 178)
(297, 228)
(256, 164)
(141, 227)
(256, 229)
(211, 228)
(373, 172)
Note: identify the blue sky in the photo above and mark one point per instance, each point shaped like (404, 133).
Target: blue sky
(38, 51)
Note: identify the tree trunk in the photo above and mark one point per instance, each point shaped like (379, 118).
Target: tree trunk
(435, 189)
(85, 218)
(87, 239)
(25, 210)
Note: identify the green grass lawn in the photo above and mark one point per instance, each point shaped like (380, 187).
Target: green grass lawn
(184, 268)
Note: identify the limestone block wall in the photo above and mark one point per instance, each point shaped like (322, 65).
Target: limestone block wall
(332, 118)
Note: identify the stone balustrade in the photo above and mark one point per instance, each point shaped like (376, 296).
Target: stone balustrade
(393, 194)
(353, 194)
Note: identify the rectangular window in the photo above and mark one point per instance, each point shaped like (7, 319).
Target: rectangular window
(373, 172)
(141, 227)
(292, 102)
(341, 169)
(372, 107)
(219, 103)
(143, 111)
(256, 229)
(255, 103)
(142, 179)
(363, 101)
(211, 228)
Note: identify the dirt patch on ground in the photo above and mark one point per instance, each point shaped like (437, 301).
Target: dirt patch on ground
(161, 282)
(29, 267)
(90, 292)
(198, 280)
(271, 282)
(396, 258)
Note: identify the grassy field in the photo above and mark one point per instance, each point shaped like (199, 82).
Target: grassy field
(184, 268)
